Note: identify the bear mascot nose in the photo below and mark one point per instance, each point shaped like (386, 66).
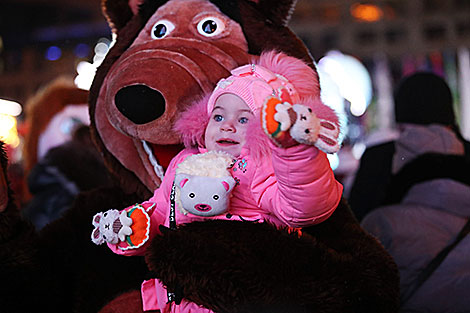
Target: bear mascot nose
(139, 103)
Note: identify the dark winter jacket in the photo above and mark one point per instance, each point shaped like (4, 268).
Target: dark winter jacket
(374, 175)
(429, 203)
(58, 178)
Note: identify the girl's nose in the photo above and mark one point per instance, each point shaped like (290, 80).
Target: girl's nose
(227, 126)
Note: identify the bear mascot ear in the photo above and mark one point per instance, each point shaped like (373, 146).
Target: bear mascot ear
(119, 12)
(279, 11)
(269, 19)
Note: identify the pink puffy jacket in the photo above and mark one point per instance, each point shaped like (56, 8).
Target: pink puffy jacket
(294, 187)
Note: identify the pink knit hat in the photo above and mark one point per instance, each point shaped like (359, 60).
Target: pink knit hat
(276, 74)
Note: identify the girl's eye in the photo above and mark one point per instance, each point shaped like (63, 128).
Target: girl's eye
(218, 118)
(243, 120)
(210, 26)
(161, 29)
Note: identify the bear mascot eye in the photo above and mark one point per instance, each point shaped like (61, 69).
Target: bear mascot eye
(210, 26)
(215, 197)
(161, 29)
(192, 195)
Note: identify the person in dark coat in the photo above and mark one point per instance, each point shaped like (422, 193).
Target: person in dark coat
(61, 175)
(422, 99)
(429, 205)
(424, 198)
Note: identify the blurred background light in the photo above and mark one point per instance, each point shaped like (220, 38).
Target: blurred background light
(334, 160)
(86, 70)
(10, 107)
(366, 12)
(82, 50)
(53, 53)
(8, 132)
(464, 78)
(351, 77)
(331, 96)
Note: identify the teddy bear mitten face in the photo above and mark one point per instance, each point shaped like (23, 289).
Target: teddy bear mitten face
(110, 226)
(287, 125)
(128, 229)
(311, 130)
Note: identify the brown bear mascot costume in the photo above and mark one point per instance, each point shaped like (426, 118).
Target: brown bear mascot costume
(167, 54)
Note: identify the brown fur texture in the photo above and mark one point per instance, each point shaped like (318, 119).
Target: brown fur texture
(250, 267)
(17, 252)
(117, 13)
(59, 269)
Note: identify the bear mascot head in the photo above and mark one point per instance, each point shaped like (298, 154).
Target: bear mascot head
(167, 55)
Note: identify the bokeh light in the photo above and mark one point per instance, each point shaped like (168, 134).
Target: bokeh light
(351, 77)
(334, 160)
(10, 107)
(86, 70)
(8, 131)
(82, 50)
(331, 96)
(366, 12)
(53, 53)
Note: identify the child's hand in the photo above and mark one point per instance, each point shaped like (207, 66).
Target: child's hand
(111, 226)
(287, 125)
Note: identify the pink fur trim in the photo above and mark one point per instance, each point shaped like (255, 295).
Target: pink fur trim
(192, 123)
(297, 72)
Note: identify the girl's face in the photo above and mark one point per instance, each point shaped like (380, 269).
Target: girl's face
(228, 124)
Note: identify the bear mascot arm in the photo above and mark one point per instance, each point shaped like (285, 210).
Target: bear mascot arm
(167, 54)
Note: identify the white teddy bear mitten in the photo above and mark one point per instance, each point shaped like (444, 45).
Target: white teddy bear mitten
(111, 226)
(287, 125)
(128, 229)
(311, 130)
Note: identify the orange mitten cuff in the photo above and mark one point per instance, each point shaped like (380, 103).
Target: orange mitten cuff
(140, 227)
(276, 119)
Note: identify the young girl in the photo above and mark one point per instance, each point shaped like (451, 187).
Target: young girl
(281, 175)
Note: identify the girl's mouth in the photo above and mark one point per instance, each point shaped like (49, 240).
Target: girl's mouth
(225, 142)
